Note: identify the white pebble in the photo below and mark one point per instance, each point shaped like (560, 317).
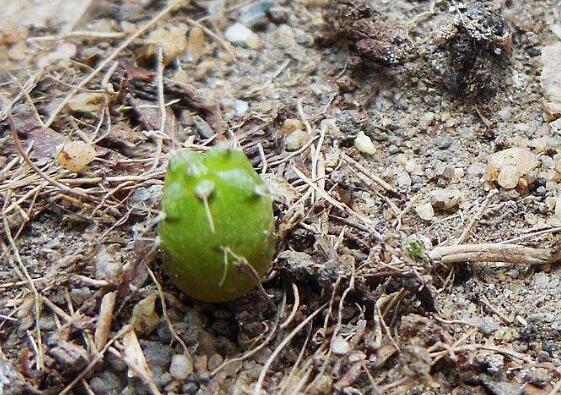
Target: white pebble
(508, 177)
(240, 34)
(558, 207)
(181, 366)
(425, 211)
(446, 198)
(296, 140)
(241, 107)
(364, 144)
(507, 166)
(340, 346)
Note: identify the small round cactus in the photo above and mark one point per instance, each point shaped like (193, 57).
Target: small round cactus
(217, 232)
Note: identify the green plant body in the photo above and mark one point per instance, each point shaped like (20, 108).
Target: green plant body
(218, 231)
(415, 249)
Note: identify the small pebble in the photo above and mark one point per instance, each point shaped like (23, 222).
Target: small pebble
(291, 125)
(340, 346)
(403, 180)
(508, 166)
(214, 361)
(426, 120)
(541, 317)
(240, 34)
(505, 113)
(425, 211)
(254, 14)
(106, 383)
(296, 140)
(181, 366)
(364, 144)
(241, 107)
(279, 14)
(446, 198)
(443, 142)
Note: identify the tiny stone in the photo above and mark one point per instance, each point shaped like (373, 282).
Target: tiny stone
(505, 114)
(351, 391)
(541, 317)
(411, 166)
(556, 126)
(551, 203)
(445, 199)
(508, 177)
(543, 356)
(241, 107)
(296, 140)
(443, 142)
(291, 125)
(448, 173)
(357, 356)
(240, 34)
(181, 366)
(254, 15)
(108, 262)
(425, 211)
(340, 346)
(279, 14)
(202, 127)
(106, 383)
(364, 144)
(116, 363)
(214, 361)
(164, 334)
(79, 295)
(189, 388)
(541, 280)
(487, 326)
(558, 207)
(403, 180)
(508, 166)
(550, 79)
(426, 120)
(156, 353)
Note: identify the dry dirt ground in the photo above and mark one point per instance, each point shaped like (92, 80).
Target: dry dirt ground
(408, 260)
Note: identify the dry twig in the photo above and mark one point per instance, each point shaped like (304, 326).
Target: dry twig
(507, 253)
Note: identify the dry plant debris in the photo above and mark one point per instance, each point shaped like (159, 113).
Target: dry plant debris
(422, 260)
(479, 44)
(375, 38)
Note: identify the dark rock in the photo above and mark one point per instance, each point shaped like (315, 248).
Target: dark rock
(156, 353)
(106, 383)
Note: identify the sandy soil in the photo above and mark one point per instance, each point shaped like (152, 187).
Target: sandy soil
(372, 122)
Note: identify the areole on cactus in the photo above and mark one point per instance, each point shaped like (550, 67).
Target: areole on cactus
(218, 229)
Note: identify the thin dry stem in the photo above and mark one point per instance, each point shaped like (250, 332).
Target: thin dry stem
(280, 347)
(171, 6)
(165, 310)
(36, 296)
(507, 253)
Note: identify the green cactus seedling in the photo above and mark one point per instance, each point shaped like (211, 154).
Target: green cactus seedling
(217, 232)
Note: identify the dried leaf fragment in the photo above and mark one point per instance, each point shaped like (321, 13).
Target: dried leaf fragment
(76, 155)
(144, 317)
(89, 102)
(134, 357)
(195, 44)
(105, 318)
(172, 40)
